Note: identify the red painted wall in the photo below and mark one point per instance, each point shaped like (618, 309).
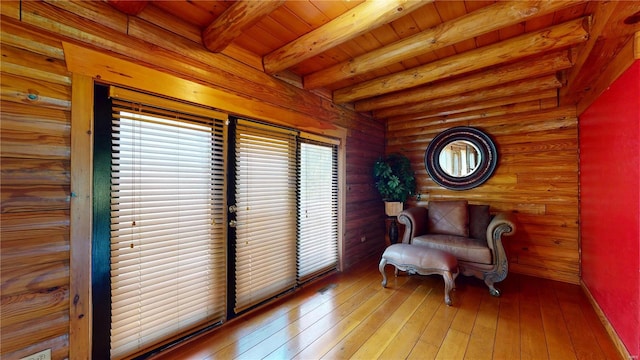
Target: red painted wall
(610, 204)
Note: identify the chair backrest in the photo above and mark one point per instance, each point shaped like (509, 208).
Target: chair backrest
(479, 219)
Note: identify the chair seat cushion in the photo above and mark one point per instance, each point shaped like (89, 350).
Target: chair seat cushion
(463, 248)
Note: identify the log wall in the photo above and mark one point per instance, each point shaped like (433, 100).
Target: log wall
(36, 151)
(536, 178)
(35, 136)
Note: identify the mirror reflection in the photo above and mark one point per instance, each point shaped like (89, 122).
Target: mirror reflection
(459, 158)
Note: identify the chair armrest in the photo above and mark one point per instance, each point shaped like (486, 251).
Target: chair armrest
(501, 224)
(415, 220)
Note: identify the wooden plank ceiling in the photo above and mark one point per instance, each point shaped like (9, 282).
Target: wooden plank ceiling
(405, 60)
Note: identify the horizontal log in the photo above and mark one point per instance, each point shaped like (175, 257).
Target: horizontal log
(27, 150)
(167, 21)
(521, 209)
(10, 9)
(29, 114)
(466, 118)
(43, 132)
(38, 277)
(556, 237)
(551, 274)
(511, 89)
(554, 177)
(550, 144)
(497, 185)
(527, 254)
(351, 24)
(553, 38)
(32, 92)
(59, 346)
(510, 194)
(51, 325)
(552, 157)
(30, 40)
(559, 254)
(23, 63)
(473, 24)
(537, 261)
(544, 120)
(568, 209)
(538, 136)
(531, 121)
(357, 221)
(362, 222)
(30, 306)
(507, 100)
(19, 225)
(22, 198)
(361, 192)
(97, 12)
(353, 179)
(52, 247)
(34, 172)
(515, 142)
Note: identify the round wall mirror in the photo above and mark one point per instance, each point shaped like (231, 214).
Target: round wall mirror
(461, 158)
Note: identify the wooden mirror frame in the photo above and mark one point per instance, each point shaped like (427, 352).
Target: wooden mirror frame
(486, 167)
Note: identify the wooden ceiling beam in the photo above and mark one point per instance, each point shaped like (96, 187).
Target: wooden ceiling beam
(476, 23)
(545, 64)
(351, 24)
(555, 37)
(507, 100)
(607, 75)
(129, 7)
(240, 16)
(504, 90)
(608, 36)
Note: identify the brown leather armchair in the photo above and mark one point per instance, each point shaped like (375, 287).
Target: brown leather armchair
(467, 231)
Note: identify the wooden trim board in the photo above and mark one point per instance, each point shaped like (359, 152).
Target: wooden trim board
(622, 350)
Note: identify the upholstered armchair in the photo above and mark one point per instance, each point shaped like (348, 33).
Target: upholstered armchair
(469, 232)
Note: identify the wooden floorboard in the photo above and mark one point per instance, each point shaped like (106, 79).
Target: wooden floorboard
(350, 316)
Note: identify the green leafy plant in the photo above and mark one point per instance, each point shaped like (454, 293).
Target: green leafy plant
(394, 178)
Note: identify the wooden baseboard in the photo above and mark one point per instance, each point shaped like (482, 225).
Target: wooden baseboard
(622, 350)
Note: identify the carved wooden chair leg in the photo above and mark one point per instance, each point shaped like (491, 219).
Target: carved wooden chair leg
(449, 285)
(383, 263)
(492, 290)
(455, 276)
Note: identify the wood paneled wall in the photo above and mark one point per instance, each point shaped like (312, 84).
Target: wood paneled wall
(536, 178)
(36, 148)
(35, 126)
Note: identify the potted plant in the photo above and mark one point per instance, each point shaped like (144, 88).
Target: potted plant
(395, 181)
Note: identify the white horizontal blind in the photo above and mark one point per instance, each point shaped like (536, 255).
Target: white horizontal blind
(266, 223)
(168, 234)
(317, 209)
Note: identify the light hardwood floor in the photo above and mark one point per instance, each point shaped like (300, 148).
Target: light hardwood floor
(350, 315)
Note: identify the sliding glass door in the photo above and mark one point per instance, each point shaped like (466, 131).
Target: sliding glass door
(198, 218)
(265, 199)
